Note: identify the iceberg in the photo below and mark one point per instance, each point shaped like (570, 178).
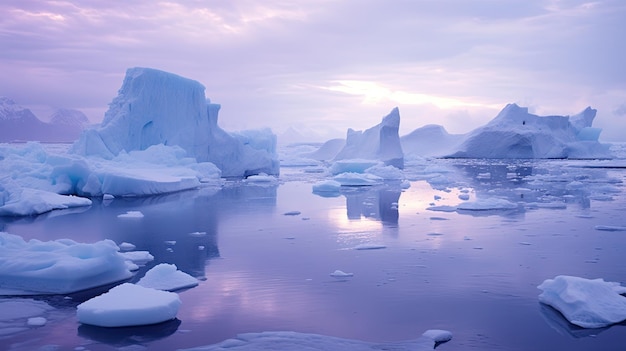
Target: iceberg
(57, 267)
(431, 140)
(516, 133)
(380, 142)
(129, 305)
(587, 303)
(154, 107)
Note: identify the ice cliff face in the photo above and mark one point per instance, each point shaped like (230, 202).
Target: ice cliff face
(380, 142)
(515, 133)
(155, 107)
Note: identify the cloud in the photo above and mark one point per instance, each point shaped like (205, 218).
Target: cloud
(314, 62)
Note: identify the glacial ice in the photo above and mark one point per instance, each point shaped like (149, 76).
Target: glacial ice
(588, 303)
(155, 107)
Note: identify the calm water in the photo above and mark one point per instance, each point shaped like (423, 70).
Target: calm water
(473, 273)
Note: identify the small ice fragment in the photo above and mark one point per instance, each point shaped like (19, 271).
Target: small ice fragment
(126, 246)
(137, 257)
(198, 234)
(438, 335)
(369, 247)
(341, 274)
(170, 242)
(610, 228)
(108, 197)
(292, 213)
(131, 214)
(36, 321)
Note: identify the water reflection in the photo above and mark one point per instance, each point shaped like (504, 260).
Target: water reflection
(559, 323)
(127, 336)
(374, 203)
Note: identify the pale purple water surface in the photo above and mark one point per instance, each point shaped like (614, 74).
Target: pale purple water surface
(474, 273)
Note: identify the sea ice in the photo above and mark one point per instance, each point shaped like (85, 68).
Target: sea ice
(131, 214)
(167, 277)
(57, 267)
(341, 274)
(137, 257)
(492, 203)
(29, 202)
(129, 305)
(289, 340)
(588, 303)
(357, 179)
(327, 186)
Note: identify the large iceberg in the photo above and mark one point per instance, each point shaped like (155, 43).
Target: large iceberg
(380, 142)
(431, 140)
(516, 133)
(155, 107)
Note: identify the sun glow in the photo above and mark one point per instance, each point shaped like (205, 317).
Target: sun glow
(374, 93)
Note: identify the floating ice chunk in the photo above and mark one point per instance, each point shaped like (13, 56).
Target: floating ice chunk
(289, 340)
(588, 303)
(438, 335)
(57, 267)
(36, 321)
(353, 166)
(327, 186)
(127, 246)
(137, 257)
(131, 214)
(493, 203)
(198, 234)
(369, 246)
(610, 228)
(167, 277)
(30, 202)
(341, 274)
(357, 179)
(129, 305)
(108, 197)
(442, 208)
(261, 178)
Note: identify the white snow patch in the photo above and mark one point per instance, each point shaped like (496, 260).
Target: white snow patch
(167, 277)
(129, 305)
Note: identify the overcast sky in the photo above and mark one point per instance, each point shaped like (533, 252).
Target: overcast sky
(327, 65)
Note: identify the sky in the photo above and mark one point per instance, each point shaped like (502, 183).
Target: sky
(322, 66)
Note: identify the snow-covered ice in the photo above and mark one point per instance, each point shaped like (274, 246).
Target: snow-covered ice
(167, 277)
(16, 201)
(137, 257)
(357, 179)
(327, 186)
(289, 340)
(588, 303)
(129, 305)
(131, 214)
(57, 267)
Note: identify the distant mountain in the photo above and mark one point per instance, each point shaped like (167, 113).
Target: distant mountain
(18, 123)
